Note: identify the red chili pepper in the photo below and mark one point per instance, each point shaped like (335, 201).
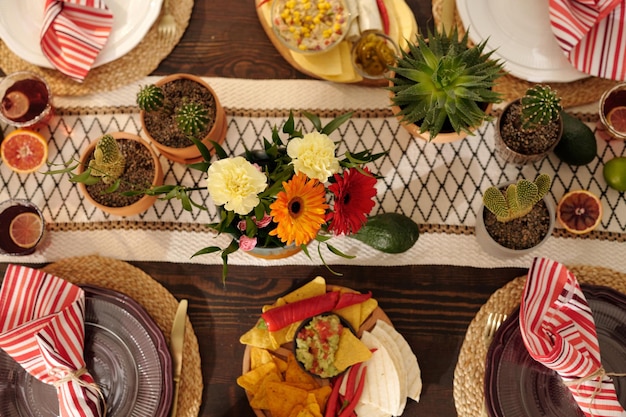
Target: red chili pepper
(384, 15)
(279, 317)
(349, 298)
(351, 381)
(357, 395)
(333, 399)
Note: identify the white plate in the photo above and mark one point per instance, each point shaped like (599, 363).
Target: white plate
(520, 33)
(21, 21)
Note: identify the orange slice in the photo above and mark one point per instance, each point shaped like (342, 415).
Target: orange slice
(617, 118)
(25, 229)
(579, 211)
(24, 151)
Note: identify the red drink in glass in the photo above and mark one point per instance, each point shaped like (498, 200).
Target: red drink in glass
(9, 210)
(25, 99)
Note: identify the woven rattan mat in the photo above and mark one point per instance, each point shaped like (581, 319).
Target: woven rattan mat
(575, 93)
(136, 64)
(158, 302)
(470, 369)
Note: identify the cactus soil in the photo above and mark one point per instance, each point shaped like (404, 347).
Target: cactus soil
(526, 141)
(521, 233)
(137, 175)
(162, 124)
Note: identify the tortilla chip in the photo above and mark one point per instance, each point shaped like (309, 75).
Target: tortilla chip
(321, 395)
(259, 337)
(350, 351)
(282, 398)
(367, 308)
(284, 335)
(281, 364)
(296, 410)
(259, 398)
(311, 289)
(304, 413)
(312, 406)
(296, 375)
(351, 314)
(250, 380)
(259, 357)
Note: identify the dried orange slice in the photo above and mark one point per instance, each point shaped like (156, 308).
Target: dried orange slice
(617, 118)
(25, 229)
(579, 211)
(24, 151)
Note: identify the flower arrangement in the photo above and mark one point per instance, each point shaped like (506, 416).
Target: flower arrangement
(292, 192)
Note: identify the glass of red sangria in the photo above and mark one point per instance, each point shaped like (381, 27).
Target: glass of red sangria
(22, 227)
(612, 112)
(25, 99)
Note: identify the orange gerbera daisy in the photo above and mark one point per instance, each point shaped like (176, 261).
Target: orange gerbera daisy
(299, 210)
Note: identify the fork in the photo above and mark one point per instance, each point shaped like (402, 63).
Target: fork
(167, 24)
(494, 320)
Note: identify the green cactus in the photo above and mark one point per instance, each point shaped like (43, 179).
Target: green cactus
(150, 98)
(192, 118)
(108, 161)
(540, 106)
(518, 199)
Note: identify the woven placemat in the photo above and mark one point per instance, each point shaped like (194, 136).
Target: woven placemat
(470, 369)
(158, 302)
(575, 93)
(138, 63)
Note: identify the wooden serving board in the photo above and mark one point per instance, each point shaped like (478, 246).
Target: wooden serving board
(336, 64)
(286, 349)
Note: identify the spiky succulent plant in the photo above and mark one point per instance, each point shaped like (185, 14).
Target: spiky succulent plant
(518, 199)
(108, 160)
(150, 97)
(443, 78)
(192, 118)
(540, 106)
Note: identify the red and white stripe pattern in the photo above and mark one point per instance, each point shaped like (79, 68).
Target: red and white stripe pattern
(73, 34)
(592, 33)
(42, 328)
(558, 330)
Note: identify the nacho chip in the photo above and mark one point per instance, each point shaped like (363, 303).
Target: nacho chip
(250, 380)
(297, 376)
(280, 364)
(312, 406)
(311, 289)
(321, 395)
(259, 357)
(350, 351)
(259, 398)
(282, 398)
(260, 337)
(367, 308)
(351, 314)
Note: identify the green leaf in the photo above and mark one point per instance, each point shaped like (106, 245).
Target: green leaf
(339, 253)
(204, 151)
(317, 123)
(289, 126)
(335, 123)
(113, 187)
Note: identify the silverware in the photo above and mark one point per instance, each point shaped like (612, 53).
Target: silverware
(177, 339)
(494, 320)
(167, 24)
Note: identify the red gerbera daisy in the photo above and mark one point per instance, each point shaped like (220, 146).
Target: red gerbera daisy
(354, 199)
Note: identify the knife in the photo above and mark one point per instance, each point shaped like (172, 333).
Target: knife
(176, 349)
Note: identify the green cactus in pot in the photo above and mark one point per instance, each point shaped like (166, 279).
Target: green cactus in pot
(518, 199)
(108, 160)
(541, 105)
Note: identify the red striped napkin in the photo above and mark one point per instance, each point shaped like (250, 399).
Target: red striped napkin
(73, 34)
(592, 33)
(42, 328)
(558, 330)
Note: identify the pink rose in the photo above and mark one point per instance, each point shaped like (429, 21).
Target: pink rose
(247, 243)
(267, 219)
(241, 225)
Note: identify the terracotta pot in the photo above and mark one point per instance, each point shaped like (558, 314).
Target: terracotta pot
(191, 153)
(143, 203)
(442, 137)
(508, 155)
(494, 248)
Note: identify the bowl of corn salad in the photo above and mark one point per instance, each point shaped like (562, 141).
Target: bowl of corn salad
(310, 26)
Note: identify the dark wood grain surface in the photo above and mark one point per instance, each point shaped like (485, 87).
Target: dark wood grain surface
(430, 305)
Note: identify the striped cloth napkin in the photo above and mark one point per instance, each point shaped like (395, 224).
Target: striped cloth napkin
(42, 328)
(592, 33)
(558, 330)
(73, 34)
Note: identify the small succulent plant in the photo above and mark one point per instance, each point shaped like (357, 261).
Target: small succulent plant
(150, 98)
(443, 78)
(541, 105)
(192, 118)
(108, 161)
(518, 199)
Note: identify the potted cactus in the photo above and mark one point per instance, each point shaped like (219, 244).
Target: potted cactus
(176, 108)
(529, 127)
(518, 218)
(441, 89)
(114, 171)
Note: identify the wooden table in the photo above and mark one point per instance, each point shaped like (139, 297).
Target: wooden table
(430, 305)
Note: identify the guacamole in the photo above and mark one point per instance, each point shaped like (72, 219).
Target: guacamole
(316, 344)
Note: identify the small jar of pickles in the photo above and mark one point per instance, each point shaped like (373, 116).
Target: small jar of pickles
(373, 53)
